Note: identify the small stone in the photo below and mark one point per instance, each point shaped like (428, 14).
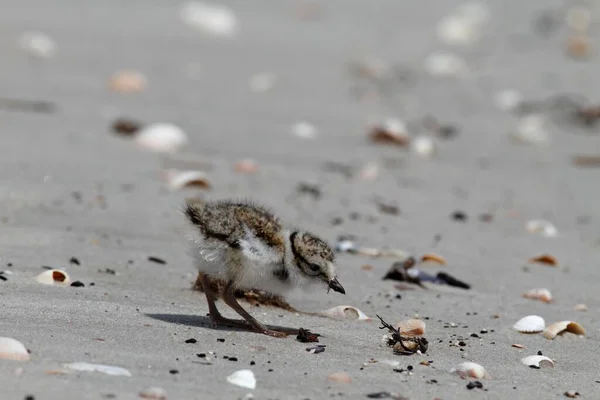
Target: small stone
(77, 284)
(571, 394)
(173, 371)
(191, 340)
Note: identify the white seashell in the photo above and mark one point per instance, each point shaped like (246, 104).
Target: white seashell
(580, 307)
(214, 19)
(457, 30)
(470, 370)
(558, 328)
(445, 64)
(531, 129)
(411, 327)
(545, 228)
(530, 324)
(538, 361)
(345, 245)
(53, 277)
(161, 137)
(105, 369)
(423, 146)
(153, 393)
(538, 294)
(304, 130)
(243, 378)
(177, 180)
(127, 81)
(38, 44)
(12, 349)
(508, 100)
(345, 312)
(262, 82)
(578, 18)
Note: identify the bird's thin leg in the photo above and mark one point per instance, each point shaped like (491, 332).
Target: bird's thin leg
(231, 301)
(215, 316)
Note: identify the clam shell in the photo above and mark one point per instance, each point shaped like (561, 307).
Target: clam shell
(339, 377)
(12, 349)
(161, 137)
(411, 327)
(538, 361)
(243, 378)
(177, 180)
(558, 328)
(538, 294)
(470, 370)
(530, 324)
(345, 312)
(53, 277)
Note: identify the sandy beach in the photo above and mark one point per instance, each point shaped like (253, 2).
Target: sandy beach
(297, 87)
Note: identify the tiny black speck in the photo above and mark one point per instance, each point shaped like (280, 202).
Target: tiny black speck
(222, 340)
(540, 353)
(74, 260)
(201, 355)
(77, 284)
(252, 363)
(459, 216)
(156, 260)
(475, 335)
(191, 340)
(3, 278)
(233, 359)
(173, 371)
(270, 370)
(410, 368)
(29, 397)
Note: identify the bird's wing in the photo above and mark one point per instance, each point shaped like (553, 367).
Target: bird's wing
(257, 251)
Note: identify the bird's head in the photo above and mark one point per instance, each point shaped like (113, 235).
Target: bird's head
(314, 258)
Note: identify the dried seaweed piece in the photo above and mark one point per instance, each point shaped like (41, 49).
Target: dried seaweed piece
(306, 336)
(126, 127)
(404, 345)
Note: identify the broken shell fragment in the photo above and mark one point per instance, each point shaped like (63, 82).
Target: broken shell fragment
(546, 259)
(246, 166)
(411, 327)
(580, 307)
(538, 361)
(53, 277)
(433, 258)
(304, 130)
(530, 324)
(38, 44)
(538, 294)
(345, 313)
(391, 131)
(127, 81)
(518, 346)
(243, 378)
(161, 137)
(339, 377)
(542, 227)
(12, 349)
(470, 370)
(531, 130)
(153, 393)
(424, 146)
(213, 19)
(177, 180)
(558, 328)
(105, 369)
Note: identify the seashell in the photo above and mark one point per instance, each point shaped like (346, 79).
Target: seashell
(161, 137)
(411, 327)
(213, 19)
(518, 346)
(104, 369)
(580, 307)
(12, 349)
(508, 100)
(53, 277)
(559, 328)
(369, 172)
(423, 146)
(177, 180)
(545, 228)
(304, 130)
(572, 394)
(127, 81)
(470, 370)
(339, 377)
(546, 259)
(538, 361)
(531, 130)
(538, 294)
(38, 44)
(433, 258)
(579, 45)
(345, 312)
(153, 393)
(247, 166)
(243, 378)
(578, 18)
(530, 324)
(391, 131)
(457, 30)
(445, 64)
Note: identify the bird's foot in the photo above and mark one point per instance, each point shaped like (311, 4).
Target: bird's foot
(219, 321)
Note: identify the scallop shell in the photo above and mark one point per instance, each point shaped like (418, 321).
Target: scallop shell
(53, 277)
(345, 312)
(538, 294)
(161, 137)
(530, 324)
(127, 81)
(471, 370)
(411, 327)
(243, 378)
(339, 377)
(558, 328)
(12, 349)
(433, 258)
(177, 180)
(538, 361)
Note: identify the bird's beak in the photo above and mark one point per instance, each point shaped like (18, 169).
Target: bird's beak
(336, 286)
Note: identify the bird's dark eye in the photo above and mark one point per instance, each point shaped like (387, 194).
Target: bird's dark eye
(314, 267)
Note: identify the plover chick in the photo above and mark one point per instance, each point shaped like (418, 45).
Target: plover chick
(246, 246)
